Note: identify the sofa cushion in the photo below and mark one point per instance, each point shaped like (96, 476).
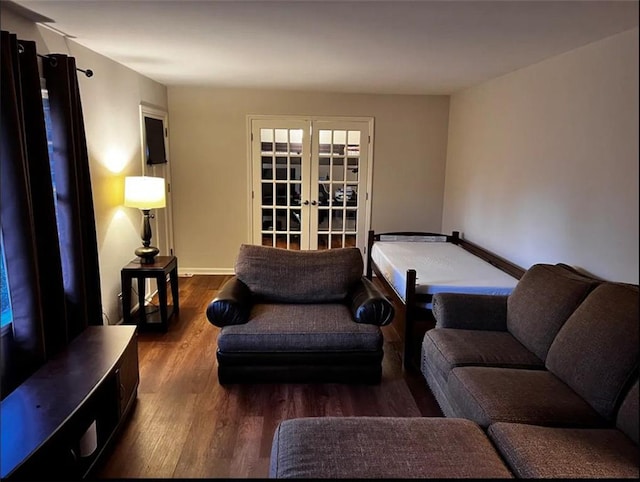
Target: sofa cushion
(470, 311)
(447, 348)
(488, 395)
(300, 328)
(541, 302)
(596, 351)
(627, 419)
(290, 276)
(561, 453)
(444, 349)
(383, 447)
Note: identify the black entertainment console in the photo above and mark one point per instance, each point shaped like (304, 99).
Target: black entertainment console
(58, 422)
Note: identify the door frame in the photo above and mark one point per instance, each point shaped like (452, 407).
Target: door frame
(310, 119)
(155, 112)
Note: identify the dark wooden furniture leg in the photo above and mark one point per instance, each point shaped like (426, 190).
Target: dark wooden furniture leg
(162, 299)
(173, 277)
(126, 297)
(142, 314)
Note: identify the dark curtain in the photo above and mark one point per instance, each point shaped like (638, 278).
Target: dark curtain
(73, 190)
(48, 310)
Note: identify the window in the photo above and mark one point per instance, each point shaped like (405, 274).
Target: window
(5, 301)
(48, 126)
(7, 312)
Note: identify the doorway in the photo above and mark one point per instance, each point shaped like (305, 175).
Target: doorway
(311, 182)
(162, 222)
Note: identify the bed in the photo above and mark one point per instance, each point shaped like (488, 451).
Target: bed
(413, 266)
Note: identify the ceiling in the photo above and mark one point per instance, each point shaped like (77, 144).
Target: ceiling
(394, 47)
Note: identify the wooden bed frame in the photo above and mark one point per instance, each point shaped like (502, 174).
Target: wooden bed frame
(413, 311)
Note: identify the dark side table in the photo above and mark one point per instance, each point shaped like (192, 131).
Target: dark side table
(158, 270)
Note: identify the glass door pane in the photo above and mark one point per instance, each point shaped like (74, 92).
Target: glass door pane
(278, 184)
(340, 184)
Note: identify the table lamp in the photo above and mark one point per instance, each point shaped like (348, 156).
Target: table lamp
(145, 193)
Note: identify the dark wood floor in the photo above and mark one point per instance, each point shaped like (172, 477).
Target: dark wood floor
(186, 425)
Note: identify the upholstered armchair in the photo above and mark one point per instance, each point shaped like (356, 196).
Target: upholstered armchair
(299, 316)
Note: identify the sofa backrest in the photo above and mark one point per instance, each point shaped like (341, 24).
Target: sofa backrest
(596, 350)
(627, 419)
(289, 276)
(541, 302)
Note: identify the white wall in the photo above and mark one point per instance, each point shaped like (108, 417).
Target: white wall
(110, 102)
(209, 140)
(542, 164)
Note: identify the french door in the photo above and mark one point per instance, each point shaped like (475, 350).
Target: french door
(310, 182)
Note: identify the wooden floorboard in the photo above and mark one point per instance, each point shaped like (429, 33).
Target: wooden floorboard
(186, 425)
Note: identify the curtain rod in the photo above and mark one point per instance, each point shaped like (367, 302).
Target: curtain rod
(87, 72)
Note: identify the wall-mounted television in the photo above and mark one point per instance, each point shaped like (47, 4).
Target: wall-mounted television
(154, 134)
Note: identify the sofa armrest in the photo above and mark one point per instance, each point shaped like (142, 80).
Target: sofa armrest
(232, 305)
(470, 311)
(369, 305)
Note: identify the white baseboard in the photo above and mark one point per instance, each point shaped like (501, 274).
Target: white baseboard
(187, 272)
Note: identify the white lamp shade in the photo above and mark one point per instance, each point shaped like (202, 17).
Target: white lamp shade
(144, 192)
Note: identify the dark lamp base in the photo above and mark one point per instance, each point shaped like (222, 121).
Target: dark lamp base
(146, 254)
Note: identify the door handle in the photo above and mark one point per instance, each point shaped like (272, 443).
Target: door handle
(306, 203)
(313, 203)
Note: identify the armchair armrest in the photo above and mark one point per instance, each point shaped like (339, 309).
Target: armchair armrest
(470, 311)
(369, 305)
(232, 305)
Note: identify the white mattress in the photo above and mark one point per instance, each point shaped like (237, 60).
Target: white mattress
(440, 267)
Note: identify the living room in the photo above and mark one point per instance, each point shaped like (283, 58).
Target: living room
(538, 163)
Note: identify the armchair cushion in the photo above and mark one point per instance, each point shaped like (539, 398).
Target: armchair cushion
(290, 328)
(369, 305)
(232, 305)
(288, 276)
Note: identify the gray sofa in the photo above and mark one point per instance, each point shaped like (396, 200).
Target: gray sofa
(299, 316)
(550, 371)
(548, 375)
